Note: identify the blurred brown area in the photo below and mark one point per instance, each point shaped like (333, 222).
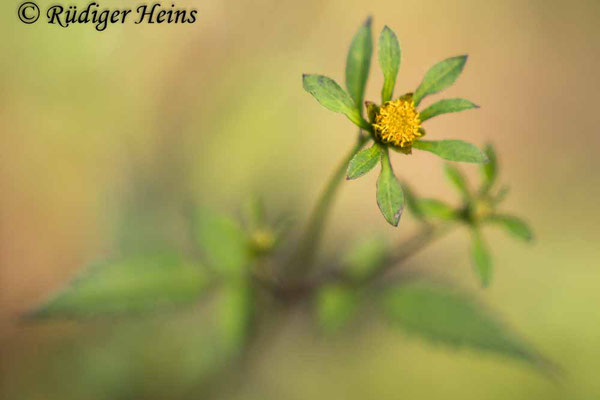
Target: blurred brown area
(149, 117)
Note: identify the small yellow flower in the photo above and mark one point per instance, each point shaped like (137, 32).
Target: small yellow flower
(262, 240)
(398, 122)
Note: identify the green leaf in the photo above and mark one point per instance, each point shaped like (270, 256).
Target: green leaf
(389, 60)
(358, 63)
(234, 315)
(446, 106)
(452, 150)
(482, 261)
(222, 241)
(501, 195)
(389, 193)
(129, 285)
(436, 209)
(335, 306)
(489, 169)
(333, 97)
(363, 161)
(515, 226)
(458, 180)
(365, 258)
(439, 77)
(442, 315)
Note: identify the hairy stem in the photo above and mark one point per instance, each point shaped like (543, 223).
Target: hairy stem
(314, 231)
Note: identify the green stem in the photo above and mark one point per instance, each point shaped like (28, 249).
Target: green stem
(410, 247)
(314, 230)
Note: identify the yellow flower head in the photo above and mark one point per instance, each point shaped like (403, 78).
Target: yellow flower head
(398, 122)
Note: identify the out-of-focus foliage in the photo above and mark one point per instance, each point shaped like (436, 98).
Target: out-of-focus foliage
(222, 242)
(479, 208)
(335, 306)
(443, 315)
(246, 263)
(132, 284)
(365, 257)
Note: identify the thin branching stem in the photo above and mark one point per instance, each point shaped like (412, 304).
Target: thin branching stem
(299, 289)
(309, 243)
(409, 248)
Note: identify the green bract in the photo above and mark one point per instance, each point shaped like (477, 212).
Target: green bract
(394, 123)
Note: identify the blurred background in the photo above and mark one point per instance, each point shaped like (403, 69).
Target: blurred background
(108, 133)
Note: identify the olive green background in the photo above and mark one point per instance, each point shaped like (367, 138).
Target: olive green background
(143, 117)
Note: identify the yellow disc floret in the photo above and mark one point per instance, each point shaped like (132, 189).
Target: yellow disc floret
(398, 122)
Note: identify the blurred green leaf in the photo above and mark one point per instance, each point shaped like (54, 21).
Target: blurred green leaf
(389, 60)
(436, 209)
(458, 180)
(358, 63)
(133, 284)
(366, 257)
(389, 193)
(489, 169)
(234, 314)
(333, 97)
(445, 316)
(222, 241)
(335, 306)
(411, 201)
(501, 195)
(446, 106)
(514, 225)
(452, 150)
(363, 161)
(253, 212)
(482, 261)
(439, 77)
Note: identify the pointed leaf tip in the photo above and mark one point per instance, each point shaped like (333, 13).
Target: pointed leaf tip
(444, 315)
(439, 77)
(389, 61)
(358, 63)
(514, 225)
(390, 198)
